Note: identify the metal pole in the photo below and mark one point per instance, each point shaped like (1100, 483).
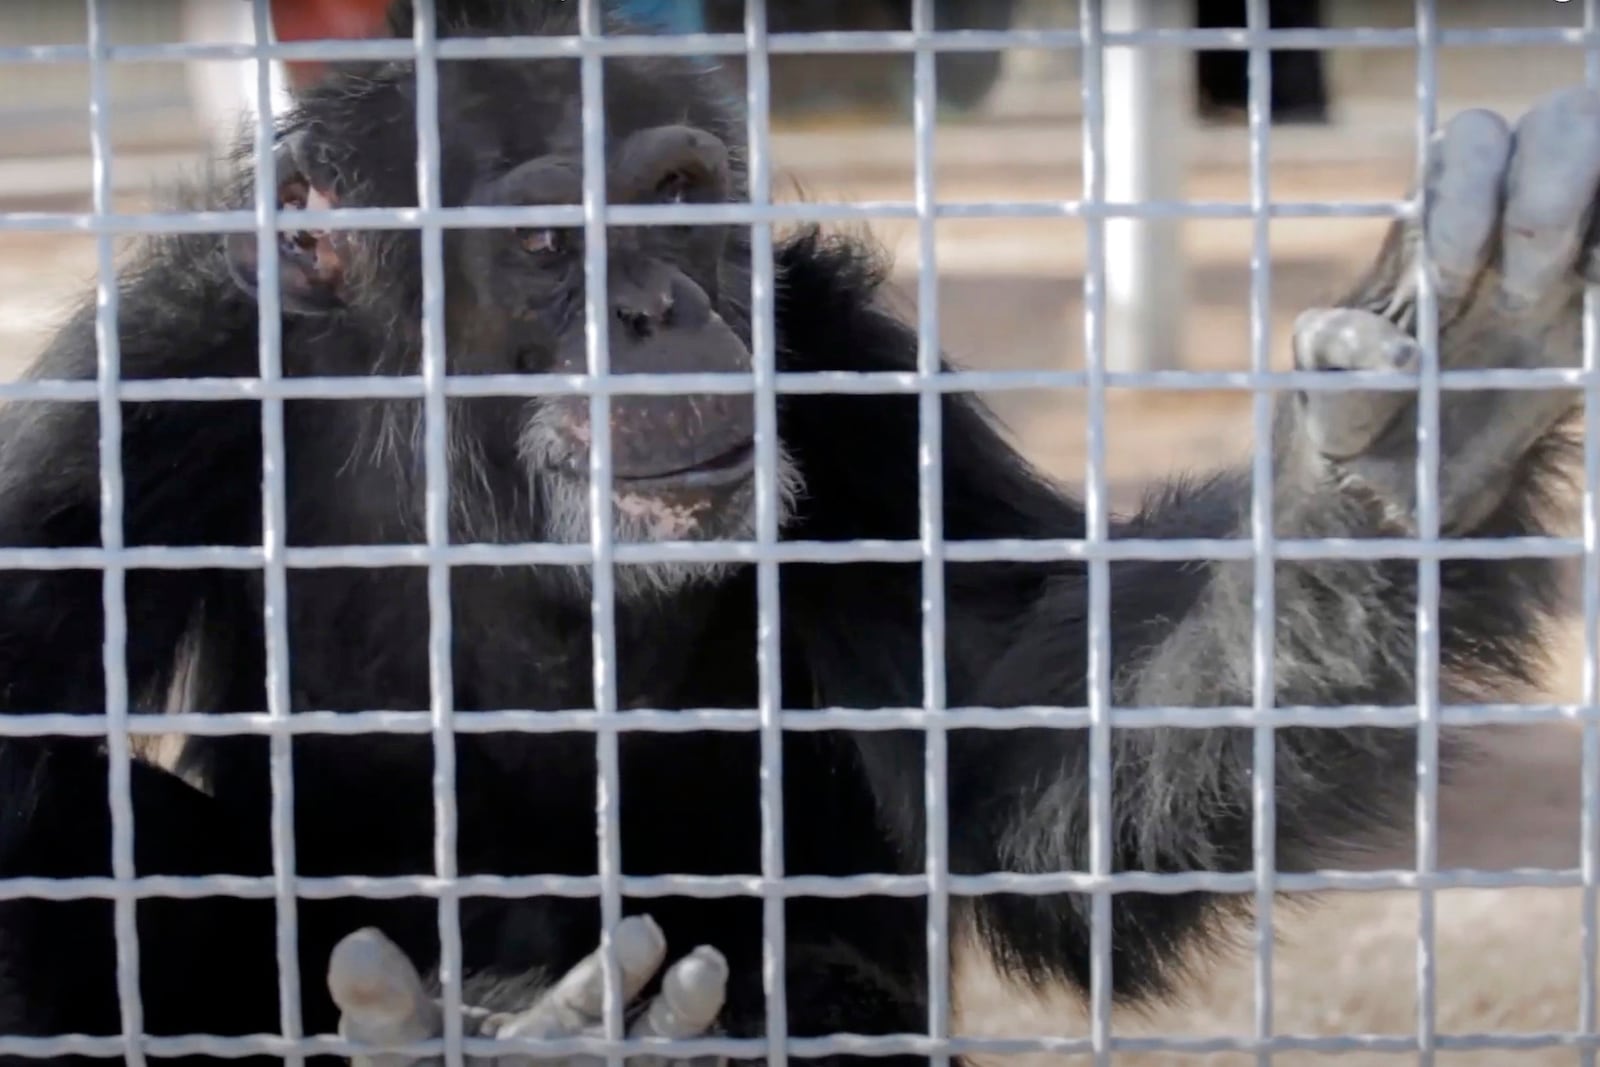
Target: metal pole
(1146, 119)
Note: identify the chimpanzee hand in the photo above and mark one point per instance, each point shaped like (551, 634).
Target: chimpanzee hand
(1507, 227)
(384, 1003)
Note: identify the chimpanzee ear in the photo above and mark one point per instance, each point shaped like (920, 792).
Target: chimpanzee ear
(311, 263)
(309, 283)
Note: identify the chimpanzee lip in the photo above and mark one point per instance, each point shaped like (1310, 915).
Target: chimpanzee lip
(725, 468)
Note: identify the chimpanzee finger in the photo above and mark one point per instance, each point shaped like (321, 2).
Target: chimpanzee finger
(691, 997)
(1345, 423)
(1550, 191)
(379, 992)
(576, 1002)
(1466, 168)
(692, 994)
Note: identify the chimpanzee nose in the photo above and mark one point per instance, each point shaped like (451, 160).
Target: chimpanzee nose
(670, 300)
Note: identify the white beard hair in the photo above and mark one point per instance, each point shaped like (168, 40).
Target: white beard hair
(564, 513)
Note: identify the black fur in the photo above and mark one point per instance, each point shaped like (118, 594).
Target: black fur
(853, 803)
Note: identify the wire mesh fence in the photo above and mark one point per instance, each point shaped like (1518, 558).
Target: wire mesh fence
(275, 557)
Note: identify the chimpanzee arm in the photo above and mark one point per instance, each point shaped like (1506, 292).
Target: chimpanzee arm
(205, 965)
(1510, 254)
(191, 476)
(1506, 226)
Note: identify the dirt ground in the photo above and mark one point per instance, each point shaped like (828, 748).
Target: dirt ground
(1011, 295)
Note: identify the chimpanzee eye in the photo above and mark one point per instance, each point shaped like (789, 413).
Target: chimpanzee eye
(539, 240)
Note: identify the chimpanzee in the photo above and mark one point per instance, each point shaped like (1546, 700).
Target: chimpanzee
(1506, 225)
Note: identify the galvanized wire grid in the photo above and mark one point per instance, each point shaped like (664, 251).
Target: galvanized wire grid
(119, 724)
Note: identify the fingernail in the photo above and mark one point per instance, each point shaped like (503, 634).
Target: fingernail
(639, 942)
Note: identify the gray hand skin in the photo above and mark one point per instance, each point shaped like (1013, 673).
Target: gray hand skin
(383, 1002)
(1508, 233)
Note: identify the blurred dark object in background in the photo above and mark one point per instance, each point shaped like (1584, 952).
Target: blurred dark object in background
(829, 83)
(824, 84)
(1299, 85)
(816, 84)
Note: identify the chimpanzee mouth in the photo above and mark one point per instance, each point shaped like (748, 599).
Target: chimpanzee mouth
(724, 469)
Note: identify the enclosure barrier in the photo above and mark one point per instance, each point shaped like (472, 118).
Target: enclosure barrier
(119, 724)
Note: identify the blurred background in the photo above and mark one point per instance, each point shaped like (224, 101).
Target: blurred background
(1010, 296)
